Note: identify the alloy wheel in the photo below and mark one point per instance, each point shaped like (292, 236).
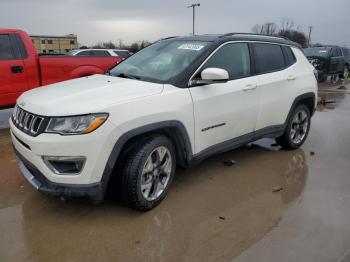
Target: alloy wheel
(300, 125)
(156, 173)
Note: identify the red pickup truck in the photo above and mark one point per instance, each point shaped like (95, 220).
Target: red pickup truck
(21, 68)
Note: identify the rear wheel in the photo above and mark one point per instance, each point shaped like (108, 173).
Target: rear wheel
(297, 128)
(335, 78)
(148, 172)
(346, 73)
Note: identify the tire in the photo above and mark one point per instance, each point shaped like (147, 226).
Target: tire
(335, 78)
(321, 78)
(345, 73)
(147, 172)
(295, 133)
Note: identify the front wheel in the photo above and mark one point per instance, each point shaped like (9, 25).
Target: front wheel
(148, 171)
(297, 129)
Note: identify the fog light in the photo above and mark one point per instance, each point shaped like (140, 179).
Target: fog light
(65, 165)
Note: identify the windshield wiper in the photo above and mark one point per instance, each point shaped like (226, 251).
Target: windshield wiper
(123, 75)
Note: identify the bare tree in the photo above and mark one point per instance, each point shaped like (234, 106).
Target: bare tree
(287, 29)
(268, 28)
(257, 29)
(286, 24)
(295, 35)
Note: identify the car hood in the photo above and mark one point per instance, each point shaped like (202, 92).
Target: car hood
(85, 95)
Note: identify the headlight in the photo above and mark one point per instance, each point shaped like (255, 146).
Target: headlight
(74, 125)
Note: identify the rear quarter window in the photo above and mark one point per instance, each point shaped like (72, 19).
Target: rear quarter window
(268, 58)
(288, 55)
(123, 54)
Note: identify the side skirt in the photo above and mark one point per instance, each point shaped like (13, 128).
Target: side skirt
(271, 131)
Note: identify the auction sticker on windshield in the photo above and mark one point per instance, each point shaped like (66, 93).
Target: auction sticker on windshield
(194, 47)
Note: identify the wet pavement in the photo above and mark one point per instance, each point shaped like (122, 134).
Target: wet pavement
(212, 213)
(5, 114)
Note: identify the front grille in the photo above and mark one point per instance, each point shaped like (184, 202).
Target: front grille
(29, 123)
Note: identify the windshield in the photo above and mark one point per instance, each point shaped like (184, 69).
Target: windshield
(317, 51)
(72, 52)
(161, 61)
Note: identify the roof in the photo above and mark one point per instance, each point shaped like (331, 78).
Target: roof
(11, 30)
(236, 37)
(99, 49)
(57, 36)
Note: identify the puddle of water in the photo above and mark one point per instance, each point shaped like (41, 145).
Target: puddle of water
(186, 226)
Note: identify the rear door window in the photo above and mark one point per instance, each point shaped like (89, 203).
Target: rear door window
(84, 53)
(6, 51)
(234, 58)
(336, 52)
(100, 53)
(339, 52)
(268, 58)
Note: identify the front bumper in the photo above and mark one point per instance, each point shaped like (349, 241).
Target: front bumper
(96, 147)
(93, 191)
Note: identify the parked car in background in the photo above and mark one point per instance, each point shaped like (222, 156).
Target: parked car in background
(175, 102)
(101, 52)
(330, 61)
(346, 54)
(21, 68)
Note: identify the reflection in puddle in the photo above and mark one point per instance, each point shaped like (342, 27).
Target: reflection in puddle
(187, 225)
(331, 98)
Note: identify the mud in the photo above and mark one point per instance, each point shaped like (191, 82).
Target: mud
(213, 212)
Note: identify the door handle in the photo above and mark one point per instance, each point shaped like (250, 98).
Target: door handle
(291, 77)
(17, 69)
(250, 87)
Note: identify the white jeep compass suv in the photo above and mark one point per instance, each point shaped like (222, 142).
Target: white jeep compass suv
(175, 102)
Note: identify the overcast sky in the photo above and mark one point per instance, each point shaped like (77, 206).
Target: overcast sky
(111, 20)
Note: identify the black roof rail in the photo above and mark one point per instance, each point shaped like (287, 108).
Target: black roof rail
(165, 38)
(253, 34)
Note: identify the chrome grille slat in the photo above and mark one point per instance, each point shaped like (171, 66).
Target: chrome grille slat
(21, 114)
(32, 123)
(27, 122)
(25, 119)
(17, 114)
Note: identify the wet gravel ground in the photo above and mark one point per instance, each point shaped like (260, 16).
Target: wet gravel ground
(272, 205)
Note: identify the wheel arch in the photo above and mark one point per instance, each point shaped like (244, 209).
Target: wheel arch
(308, 99)
(173, 129)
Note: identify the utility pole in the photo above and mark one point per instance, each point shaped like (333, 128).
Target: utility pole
(308, 40)
(194, 14)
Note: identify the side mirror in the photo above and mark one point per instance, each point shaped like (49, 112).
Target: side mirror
(211, 76)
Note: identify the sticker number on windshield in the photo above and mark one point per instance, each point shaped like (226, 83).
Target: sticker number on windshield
(191, 47)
